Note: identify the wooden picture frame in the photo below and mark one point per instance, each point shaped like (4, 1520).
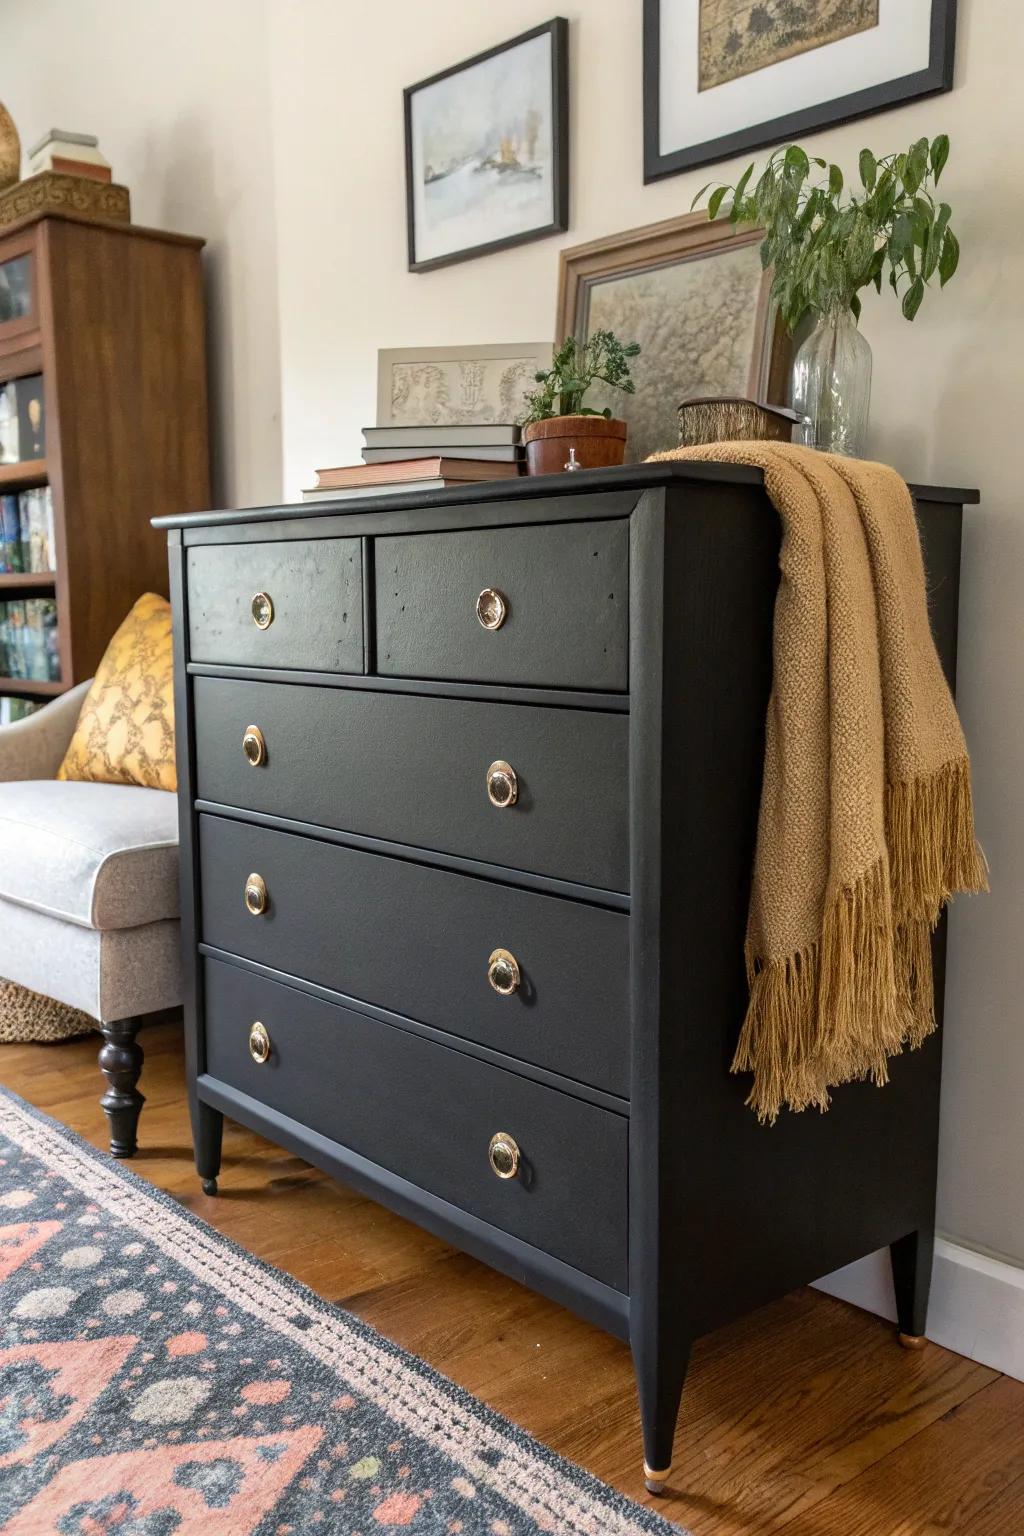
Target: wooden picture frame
(556, 32)
(937, 43)
(668, 244)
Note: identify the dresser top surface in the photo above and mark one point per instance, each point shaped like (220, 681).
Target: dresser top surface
(630, 477)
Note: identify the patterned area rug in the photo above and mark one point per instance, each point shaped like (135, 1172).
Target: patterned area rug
(156, 1380)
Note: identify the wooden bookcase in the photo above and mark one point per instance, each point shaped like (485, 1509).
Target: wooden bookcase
(115, 325)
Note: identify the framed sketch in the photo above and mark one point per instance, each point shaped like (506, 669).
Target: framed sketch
(694, 295)
(724, 77)
(487, 150)
(444, 386)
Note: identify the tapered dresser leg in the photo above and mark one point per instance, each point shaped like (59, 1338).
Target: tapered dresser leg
(912, 1277)
(660, 1374)
(121, 1063)
(207, 1134)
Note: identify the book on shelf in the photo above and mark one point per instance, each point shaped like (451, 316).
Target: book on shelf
(13, 709)
(26, 531)
(22, 420)
(459, 435)
(29, 645)
(497, 453)
(435, 467)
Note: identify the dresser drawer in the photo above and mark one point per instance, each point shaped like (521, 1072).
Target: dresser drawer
(415, 770)
(314, 618)
(428, 1114)
(565, 587)
(418, 941)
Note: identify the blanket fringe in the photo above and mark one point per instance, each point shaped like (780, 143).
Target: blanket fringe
(929, 832)
(836, 1011)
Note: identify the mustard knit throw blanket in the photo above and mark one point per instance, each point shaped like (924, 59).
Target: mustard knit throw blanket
(866, 825)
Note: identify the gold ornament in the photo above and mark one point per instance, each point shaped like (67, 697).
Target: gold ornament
(10, 150)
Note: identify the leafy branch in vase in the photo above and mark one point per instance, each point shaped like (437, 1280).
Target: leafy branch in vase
(824, 249)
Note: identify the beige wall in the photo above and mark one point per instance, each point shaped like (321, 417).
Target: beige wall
(947, 396)
(177, 92)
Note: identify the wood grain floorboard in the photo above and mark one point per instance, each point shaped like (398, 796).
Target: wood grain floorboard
(803, 1418)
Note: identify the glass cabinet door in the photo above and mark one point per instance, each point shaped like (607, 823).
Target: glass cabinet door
(17, 298)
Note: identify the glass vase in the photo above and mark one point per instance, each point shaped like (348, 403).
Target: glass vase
(832, 385)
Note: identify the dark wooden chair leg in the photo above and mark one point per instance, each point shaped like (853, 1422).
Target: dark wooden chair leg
(207, 1134)
(659, 1379)
(121, 1062)
(912, 1277)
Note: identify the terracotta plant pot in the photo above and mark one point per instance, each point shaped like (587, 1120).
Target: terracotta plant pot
(598, 442)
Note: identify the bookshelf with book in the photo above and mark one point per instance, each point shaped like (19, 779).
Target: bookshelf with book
(103, 425)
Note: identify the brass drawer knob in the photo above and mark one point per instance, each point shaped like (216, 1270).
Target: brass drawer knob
(503, 972)
(254, 746)
(503, 1155)
(256, 895)
(502, 784)
(262, 609)
(259, 1043)
(491, 608)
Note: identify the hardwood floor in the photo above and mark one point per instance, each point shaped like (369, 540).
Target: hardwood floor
(806, 1417)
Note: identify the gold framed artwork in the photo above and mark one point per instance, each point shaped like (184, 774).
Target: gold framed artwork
(694, 295)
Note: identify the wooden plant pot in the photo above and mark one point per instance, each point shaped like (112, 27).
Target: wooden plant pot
(599, 443)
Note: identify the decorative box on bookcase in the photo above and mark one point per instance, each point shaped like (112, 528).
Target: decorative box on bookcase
(469, 787)
(103, 323)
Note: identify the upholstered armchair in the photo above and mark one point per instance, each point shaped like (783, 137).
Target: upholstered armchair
(88, 897)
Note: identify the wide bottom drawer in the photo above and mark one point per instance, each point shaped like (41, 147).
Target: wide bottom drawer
(430, 1114)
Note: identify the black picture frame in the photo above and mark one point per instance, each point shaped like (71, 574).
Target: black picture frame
(931, 81)
(558, 28)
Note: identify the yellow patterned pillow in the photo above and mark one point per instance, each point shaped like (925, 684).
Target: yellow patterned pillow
(125, 732)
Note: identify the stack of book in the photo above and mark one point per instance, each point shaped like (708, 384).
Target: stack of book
(28, 639)
(397, 459)
(26, 531)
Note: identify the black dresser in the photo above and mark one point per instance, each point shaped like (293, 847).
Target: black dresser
(469, 786)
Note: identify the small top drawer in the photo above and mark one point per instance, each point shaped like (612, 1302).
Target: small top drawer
(286, 604)
(558, 616)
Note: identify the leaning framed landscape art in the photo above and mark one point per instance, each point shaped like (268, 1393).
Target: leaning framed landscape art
(723, 77)
(696, 298)
(487, 150)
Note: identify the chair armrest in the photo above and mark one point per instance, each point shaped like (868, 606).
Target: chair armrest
(34, 748)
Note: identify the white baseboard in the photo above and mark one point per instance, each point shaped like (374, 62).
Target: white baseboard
(976, 1307)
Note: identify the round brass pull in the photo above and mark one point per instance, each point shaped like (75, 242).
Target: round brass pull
(259, 1043)
(262, 609)
(503, 1155)
(256, 895)
(503, 972)
(502, 784)
(254, 746)
(491, 608)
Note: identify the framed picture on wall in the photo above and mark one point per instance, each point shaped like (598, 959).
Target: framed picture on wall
(723, 77)
(695, 296)
(487, 150)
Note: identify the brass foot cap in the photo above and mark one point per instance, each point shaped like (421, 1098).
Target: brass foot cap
(912, 1340)
(655, 1482)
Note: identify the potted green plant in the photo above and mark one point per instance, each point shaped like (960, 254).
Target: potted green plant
(558, 429)
(824, 247)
